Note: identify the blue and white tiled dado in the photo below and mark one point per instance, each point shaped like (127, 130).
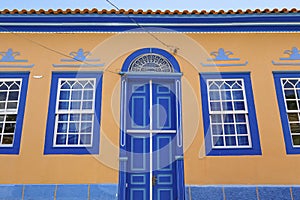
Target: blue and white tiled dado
(59, 192)
(109, 192)
(243, 192)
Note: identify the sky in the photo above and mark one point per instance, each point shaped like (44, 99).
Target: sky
(151, 4)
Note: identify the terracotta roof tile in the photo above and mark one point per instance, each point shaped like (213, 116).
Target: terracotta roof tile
(146, 12)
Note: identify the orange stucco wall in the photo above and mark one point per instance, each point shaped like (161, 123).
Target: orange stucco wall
(274, 166)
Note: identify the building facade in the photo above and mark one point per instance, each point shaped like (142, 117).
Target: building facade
(149, 105)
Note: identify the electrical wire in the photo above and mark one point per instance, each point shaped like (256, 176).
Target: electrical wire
(41, 45)
(48, 48)
(172, 48)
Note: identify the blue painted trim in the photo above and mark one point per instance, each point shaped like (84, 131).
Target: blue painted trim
(180, 185)
(261, 17)
(162, 52)
(286, 72)
(223, 59)
(218, 73)
(285, 63)
(21, 111)
(77, 65)
(151, 74)
(224, 65)
(221, 22)
(134, 28)
(74, 60)
(289, 58)
(16, 66)
(49, 149)
(254, 133)
(283, 115)
(17, 61)
(123, 152)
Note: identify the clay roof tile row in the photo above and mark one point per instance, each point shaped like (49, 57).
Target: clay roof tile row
(146, 12)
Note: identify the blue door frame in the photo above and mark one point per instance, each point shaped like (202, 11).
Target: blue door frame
(138, 178)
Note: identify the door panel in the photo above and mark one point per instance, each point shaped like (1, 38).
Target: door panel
(164, 173)
(138, 167)
(164, 107)
(139, 106)
(151, 140)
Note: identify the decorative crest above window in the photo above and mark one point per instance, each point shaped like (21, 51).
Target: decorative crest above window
(223, 56)
(294, 55)
(151, 62)
(82, 57)
(9, 56)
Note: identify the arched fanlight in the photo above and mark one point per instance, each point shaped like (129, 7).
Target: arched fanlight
(150, 62)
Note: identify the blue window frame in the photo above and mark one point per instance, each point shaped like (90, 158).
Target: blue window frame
(230, 124)
(73, 125)
(13, 90)
(288, 95)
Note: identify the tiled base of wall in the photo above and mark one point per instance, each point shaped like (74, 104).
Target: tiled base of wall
(58, 192)
(109, 191)
(243, 192)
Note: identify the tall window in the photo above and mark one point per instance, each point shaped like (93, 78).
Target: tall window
(230, 124)
(76, 123)
(228, 113)
(74, 112)
(291, 90)
(288, 94)
(9, 101)
(13, 89)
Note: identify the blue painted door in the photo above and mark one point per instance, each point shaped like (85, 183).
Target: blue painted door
(164, 173)
(150, 140)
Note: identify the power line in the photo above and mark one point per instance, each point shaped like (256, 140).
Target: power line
(49, 48)
(42, 45)
(172, 48)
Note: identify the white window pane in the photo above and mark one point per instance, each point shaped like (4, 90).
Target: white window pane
(215, 106)
(9, 100)
(63, 117)
(230, 141)
(86, 117)
(216, 118)
(296, 140)
(87, 105)
(228, 113)
(61, 139)
(3, 95)
(88, 94)
(218, 141)
(85, 139)
(72, 139)
(64, 105)
(243, 141)
(76, 95)
(75, 111)
(64, 95)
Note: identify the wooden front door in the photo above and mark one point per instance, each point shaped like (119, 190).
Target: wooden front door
(151, 128)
